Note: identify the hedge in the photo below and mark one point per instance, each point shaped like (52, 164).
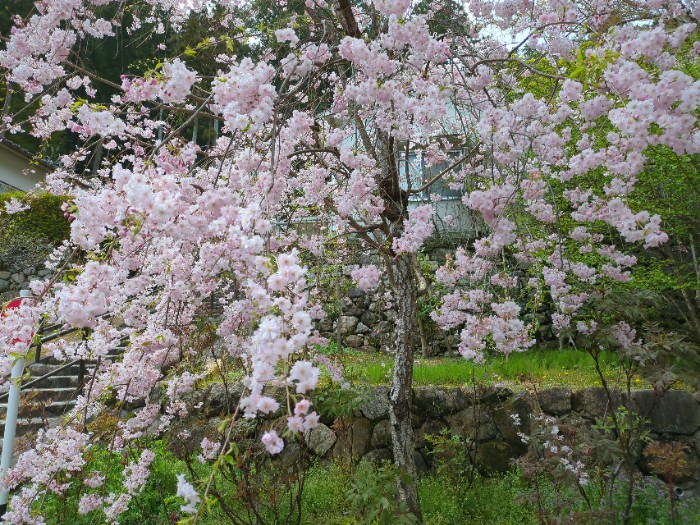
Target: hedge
(33, 232)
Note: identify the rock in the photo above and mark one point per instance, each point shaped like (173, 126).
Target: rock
(354, 341)
(676, 412)
(4, 284)
(431, 402)
(555, 401)
(594, 402)
(17, 278)
(44, 273)
(355, 440)
(376, 307)
(376, 404)
(29, 271)
(362, 328)
(320, 439)
(495, 457)
(485, 394)
(356, 293)
(347, 324)
(288, 460)
(325, 325)
(432, 427)
(379, 455)
(346, 303)
(5, 275)
(473, 423)
(370, 318)
(421, 465)
(381, 435)
(220, 400)
(521, 405)
(460, 398)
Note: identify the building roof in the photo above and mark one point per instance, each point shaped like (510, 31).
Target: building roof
(16, 148)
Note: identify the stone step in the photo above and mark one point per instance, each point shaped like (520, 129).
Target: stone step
(40, 369)
(46, 394)
(26, 425)
(111, 356)
(55, 408)
(62, 381)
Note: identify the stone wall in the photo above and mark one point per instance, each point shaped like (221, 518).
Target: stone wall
(485, 416)
(365, 323)
(12, 280)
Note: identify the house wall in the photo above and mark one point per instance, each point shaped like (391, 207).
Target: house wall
(16, 173)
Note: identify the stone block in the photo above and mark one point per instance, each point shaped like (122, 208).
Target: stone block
(356, 293)
(555, 401)
(421, 465)
(362, 328)
(354, 441)
(379, 455)
(594, 403)
(521, 406)
(370, 318)
(495, 457)
(222, 400)
(354, 341)
(675, 412)
(432, 427)
(376, 404)
(431, 402)
(474, 423)
(494, 393)
(320, 439)
(347, 324)
(381, 435)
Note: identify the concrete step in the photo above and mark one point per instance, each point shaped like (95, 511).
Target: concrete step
(46, 394)
(32, 424)
(40, 369)
(53, 408)
(63, 381)
(111, 356)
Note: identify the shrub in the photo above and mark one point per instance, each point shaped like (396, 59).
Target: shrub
(27, 237)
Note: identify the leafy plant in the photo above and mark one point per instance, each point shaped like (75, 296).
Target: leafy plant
(373, 495)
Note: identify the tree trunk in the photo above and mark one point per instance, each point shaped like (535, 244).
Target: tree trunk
(405, 295)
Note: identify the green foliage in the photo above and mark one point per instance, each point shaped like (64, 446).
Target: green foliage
(452, 456)
(333, 401)
(373, 495)
(44, 218)
(327, 500)
(155, 504)
(32, 233)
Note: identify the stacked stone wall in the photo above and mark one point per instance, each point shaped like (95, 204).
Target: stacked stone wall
(485, 417)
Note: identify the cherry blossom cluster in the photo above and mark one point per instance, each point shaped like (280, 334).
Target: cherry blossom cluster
(312, 133)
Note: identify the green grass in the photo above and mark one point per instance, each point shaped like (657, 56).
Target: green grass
(448, 500)
(570, 368)
(446, 497)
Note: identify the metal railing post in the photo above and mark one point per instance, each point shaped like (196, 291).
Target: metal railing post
(8, 441)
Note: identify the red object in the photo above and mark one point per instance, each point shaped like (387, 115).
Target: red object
(14, 303)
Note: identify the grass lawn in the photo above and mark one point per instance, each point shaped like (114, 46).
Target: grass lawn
(571, 368)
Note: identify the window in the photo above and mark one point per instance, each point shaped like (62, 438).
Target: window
(419, 173)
